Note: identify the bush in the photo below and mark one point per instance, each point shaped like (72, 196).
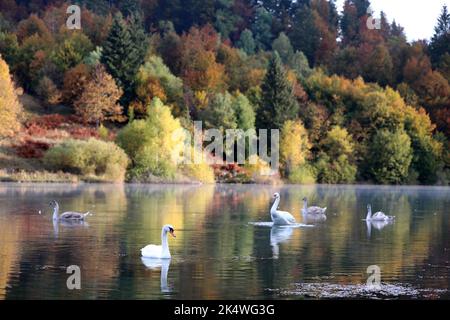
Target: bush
(302, 175)
(92, 157)
(103, 132)
(201, 172)
(31, 149)
(338, 170)
(390, 156)
(151, 143)
(258, 170)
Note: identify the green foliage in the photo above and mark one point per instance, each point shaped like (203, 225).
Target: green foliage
(440, 42)
(92, 157)
(262, 29)
(138, 40)
(9, 47)
(337, 170)
(72, 51)
(121, 56)
(151, 143)
(302, 175)
(305, 35)
(246, 42)
(390, 156)
(219, 112)
(278, 102)
(334, 164)
(129, 7)
(299, 64)
(245, 115)
(103, 132)
(94, 57)
(154, 68)
(283, 46)
(225, 19)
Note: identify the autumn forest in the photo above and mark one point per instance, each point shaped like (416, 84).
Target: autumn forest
(354, 102)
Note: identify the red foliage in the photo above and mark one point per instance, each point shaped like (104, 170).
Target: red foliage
(36, 131)
(83, 132)
(31, 149)
(51, 126)
(52, 121)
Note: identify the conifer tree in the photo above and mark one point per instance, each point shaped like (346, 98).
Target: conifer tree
(122, 55)
(278, 102)
(440, 43)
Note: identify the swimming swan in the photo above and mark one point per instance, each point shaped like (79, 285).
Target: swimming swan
(280, 217)
(162, 251)
(69, 215)
(312, 210)
(377, 216)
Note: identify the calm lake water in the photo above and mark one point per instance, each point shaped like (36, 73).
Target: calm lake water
(219, 253)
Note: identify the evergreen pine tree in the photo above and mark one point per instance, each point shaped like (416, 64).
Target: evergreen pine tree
(278, 102)
(262, 29)
(138, 39)
(440, 43)
(122, 55)
(305, 35)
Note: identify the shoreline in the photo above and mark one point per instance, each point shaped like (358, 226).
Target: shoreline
(42, 177)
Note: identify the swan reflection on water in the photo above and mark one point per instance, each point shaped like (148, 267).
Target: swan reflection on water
(155, 264)
(68, 224)
(378, 225)
(279, 235)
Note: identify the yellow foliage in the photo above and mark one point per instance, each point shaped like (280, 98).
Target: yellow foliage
(201, 99)
(9, 104)
(258, 170)
(294, 145)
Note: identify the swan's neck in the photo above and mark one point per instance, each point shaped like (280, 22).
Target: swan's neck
(305, 204)
(55, 212)
(275, 205)
(369, 213)
(165, 244)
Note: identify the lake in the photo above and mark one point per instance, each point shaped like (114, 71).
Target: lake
(222, 250)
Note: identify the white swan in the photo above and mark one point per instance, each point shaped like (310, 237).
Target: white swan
(68, 215)
(312, 210)
(280, 217)
(162, 251)
(377, 216)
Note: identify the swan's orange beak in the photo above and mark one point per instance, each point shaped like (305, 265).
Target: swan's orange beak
(172, 233)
